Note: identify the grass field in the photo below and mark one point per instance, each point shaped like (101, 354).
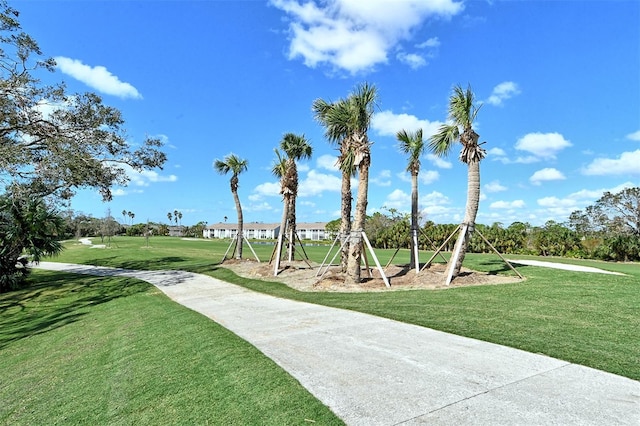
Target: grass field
(76, 338)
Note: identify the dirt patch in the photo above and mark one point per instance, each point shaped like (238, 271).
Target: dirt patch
(301, 276)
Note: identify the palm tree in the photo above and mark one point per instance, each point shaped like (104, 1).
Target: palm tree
(175, 216)
(331, 116)
(234, 164)
(462, 114)
(131, 216)
(170, 217)
(124, 216)
(346, 123)
(413, 145)
(279, 170)
(297, 147)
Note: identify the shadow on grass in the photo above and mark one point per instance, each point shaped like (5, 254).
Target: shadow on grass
(498, 266)
(55, 299)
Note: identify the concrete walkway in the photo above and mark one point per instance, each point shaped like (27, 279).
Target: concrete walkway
(374, 371)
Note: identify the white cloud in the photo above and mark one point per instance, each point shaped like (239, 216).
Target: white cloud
(543, 145)
(399, 200)
(635, 136)
(353, 35)
(382, 179)
(260, 207)
(546, 174)
(502, 92)
(414, 60)
(498, 152)
(494, 186)
(327, 162)
(517, 204)
(316, 183)
(98, 78)
(526, 160)
(303, 168)
(267, 189)
(429, 176)
(627, 164)
(432, 42)
(439, 161)
(556, 202)
(146, 177)
(386, 123)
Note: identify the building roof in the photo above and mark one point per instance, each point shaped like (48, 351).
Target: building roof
(250, 225)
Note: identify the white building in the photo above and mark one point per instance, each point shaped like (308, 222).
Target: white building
(257, 231)
(314, 231)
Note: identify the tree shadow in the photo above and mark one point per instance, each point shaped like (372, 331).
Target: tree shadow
(56, 299)
(497, 266)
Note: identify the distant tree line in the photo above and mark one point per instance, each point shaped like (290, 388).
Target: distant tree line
(608, 230)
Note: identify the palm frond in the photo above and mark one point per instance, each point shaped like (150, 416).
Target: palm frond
(442, 142)
(412, 144)
(231, 163)
(279, 167)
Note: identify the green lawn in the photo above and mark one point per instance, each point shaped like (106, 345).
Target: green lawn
(76, 349)
(86, 350)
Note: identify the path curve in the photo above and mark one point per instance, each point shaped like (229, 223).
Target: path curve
(374, 371)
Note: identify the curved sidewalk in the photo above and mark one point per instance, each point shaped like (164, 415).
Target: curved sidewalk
(375, 371)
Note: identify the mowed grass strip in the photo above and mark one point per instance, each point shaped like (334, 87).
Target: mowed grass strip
(85, 350)
(586, 318)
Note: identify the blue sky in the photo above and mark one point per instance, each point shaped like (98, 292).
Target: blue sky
(559, 82)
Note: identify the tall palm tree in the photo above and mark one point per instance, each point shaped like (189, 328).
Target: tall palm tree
(462, 114)
(362, 103)
(234, 164)
(170, 217)
(413, 145)
(297, 147)
(346, 123)
(279, 170)
(332, 117)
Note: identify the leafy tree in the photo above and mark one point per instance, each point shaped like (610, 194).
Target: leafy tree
(234, 164)
(462, 114)
(27, 226)
(52, 142)
(621, 211)
(413, 145)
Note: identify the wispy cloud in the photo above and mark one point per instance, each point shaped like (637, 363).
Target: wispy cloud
(546, 174)
(354, 36)
(439, 161)
(98, 78)
(387, 123)
(635, 136)
(502, 92)
(516, 204)
(543, 145)
(494, 186)
(628, 163)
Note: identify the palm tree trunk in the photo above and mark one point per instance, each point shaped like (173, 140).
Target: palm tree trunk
(414, 222)
(292, 227)
(355, 250)
(471, 211)
(234, 190)
(345, 219)
(282, 233)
